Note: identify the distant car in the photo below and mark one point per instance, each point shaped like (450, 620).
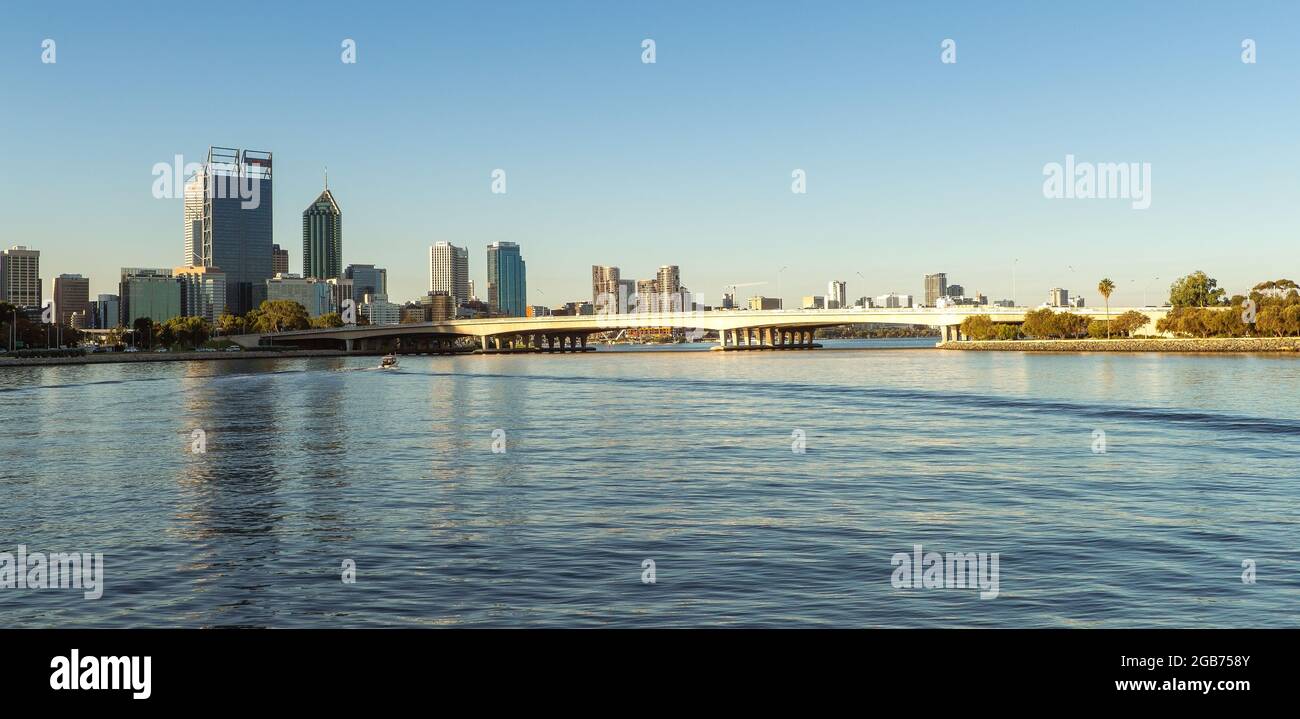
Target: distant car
(207, 349)
(131, 349)
(161, 349)
(234, 348)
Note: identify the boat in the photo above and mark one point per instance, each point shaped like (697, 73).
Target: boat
(388, 362)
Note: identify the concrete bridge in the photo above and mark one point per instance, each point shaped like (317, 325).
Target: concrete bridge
(736, 329)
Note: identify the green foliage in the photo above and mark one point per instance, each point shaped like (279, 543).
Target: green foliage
(1204, 322)
(231, 324)
(189, 332)
(1196, 290)
(1047, 324)
(278, 316)
(328, 320)
(1129, 322)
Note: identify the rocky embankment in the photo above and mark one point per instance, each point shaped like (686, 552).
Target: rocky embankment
(1213, 344)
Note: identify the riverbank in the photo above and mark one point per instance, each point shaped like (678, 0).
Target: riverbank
(111, 357)
(1162, 344)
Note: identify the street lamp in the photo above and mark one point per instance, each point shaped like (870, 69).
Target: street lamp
(778, 285)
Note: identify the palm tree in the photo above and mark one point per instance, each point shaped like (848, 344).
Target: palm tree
(1105, 287)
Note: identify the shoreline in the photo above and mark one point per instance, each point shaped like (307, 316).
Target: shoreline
(1163, 344)
(121, 357)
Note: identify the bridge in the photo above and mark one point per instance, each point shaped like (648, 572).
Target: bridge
(735, 329)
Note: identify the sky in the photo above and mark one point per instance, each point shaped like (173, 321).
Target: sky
(912, 165)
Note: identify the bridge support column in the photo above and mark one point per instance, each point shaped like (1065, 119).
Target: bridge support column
(583, 339)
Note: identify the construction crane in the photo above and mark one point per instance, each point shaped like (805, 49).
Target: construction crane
(741, 284)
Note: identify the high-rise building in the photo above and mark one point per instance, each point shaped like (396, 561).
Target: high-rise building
(147, 292)
(836, 295)
(648, 296)
(20, 276)
(366, 280)
(955, 291)
(195, 187)
(316, 295)
(71, 295)
(936, 286)
(669, 279)
(279, 260)
(814, 302)
(605, 287)
(203, 291)
(106, 311)
(449, 271)
(1057, 297)
(507, 279)
(322, 237)
(237, 223)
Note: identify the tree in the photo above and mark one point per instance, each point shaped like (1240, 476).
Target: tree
(1196, 290)
(977, 327)
(1130, 322)
(278, 316)
(143, 327)
(327, 320)
(1105, 287)
(231, 324)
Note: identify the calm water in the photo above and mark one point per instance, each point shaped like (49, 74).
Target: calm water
(681, 457)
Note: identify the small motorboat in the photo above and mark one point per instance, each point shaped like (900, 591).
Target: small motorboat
(388, 362)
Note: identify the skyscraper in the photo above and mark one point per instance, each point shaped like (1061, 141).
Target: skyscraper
(507, 282)
(669, 278)
(71, 295)
(20, 276)
(449, 271)
(836, 295)
(194, 191)
(604, 288)
(322, 238)
(936, 286)
(279, 260)
(237, 223)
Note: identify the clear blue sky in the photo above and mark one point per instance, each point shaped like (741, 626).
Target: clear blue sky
(913, 166)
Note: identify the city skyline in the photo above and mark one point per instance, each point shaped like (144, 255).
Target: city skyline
(662, 170)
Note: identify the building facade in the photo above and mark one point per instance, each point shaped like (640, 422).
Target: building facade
(203, 291)
(20, 276)
(322, 238)
(837, 295)
(605, 288)
(366, 280)
(1057, 297)
(147, 292)
(106, 312)
(316, 295)
(71, 296)
(236, 225)
(449, 271)
(380, 311)
(936, 286)
(279, 260)
(507, 279)
(759, 302)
